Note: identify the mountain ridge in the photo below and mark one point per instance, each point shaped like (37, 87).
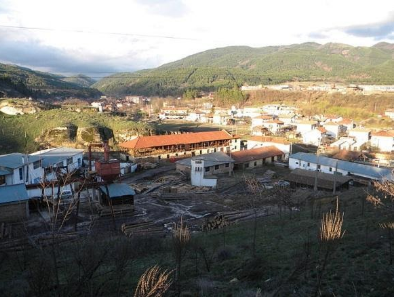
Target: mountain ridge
(239, 65)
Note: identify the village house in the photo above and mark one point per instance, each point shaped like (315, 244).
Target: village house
(257, 157)
(305, 126)
(220, 118)
(333, 129)
(172, 112)
(264, 141)
(287, 119)
(348, 124)
(214, 163)
(259, 120)
(315, 136)
(66, 159)
(361, 172)
(17, 168)
(347, 143)
(383, 140)
(362, 135)
(333, 119)
(273, 126)
(251, 112)
(181, 145)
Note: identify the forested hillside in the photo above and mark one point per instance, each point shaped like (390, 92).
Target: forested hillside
(18, 81)
(238, 65)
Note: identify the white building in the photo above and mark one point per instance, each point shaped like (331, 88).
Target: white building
(197, 175)
(19, 168)
(314, 137)
(333, 129)
(347, 143)
(259, 120)
(361, 135)
(264, 141)
(305, 126)
(273, 126)
(383, 140)
(328, 165)
(389, 113)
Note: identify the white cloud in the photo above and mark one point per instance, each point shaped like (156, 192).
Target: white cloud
(160, 31)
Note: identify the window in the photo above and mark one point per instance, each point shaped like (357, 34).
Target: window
(2, 179)
(330, 169)
(308, 164)
(255, 163)
(21, 173)
(207, 169)
(36, 164)
(79, 162)
(318, 166)
(227, 165)
(296, 163)
(246, 165)
(216, 167)
(69, 161)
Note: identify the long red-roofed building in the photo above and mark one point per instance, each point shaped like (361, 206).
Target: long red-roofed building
(182, 145)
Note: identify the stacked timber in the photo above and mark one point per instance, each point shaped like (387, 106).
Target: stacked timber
(141, 228)
(118, 210)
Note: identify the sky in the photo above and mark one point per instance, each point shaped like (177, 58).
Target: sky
(98, 38)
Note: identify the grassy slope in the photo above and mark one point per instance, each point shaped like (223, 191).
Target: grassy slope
(18, 133)
(360, 265)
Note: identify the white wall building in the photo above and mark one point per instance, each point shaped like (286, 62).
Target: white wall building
(197, 175)
(305, 126)
(361, 135)
(383, 140)
(313, 137)
(328, 165)
(333, 129)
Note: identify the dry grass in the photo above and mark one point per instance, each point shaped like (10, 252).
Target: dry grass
(331, 225)
(153, 283)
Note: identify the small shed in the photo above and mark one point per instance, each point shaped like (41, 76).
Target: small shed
(217, 162)
(117, 193)
(325, 181)
(14, 204)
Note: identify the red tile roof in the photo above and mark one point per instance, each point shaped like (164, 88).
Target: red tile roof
(264, 117)
(322, 129)
(384, 133)
(256, 154)
(269, 139)
(175, 139)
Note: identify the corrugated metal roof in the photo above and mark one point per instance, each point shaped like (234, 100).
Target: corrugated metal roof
(16, 160)
(324, 180)
(13, 193)
(5, 172)
(212, 159)
(56, 155)
(256, 154)
(175, 139)
(118, 190)
(354, 168)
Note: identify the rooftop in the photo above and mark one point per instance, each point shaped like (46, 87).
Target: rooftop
(53, 156)
(356, 168)
(118, 190)
(16, 160)
(209, 159)
(279, 140)
(13, 193)
(383, 133)
(256, 154)
(175, 139)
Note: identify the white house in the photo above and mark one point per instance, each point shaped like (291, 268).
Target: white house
(389, 113)
(314, 137)
(361, 135)
(333, 129)
(305, 126)
(259, 120)
(273, 125)
(19, 168)
(348, 124)
(347, 143)
(68, 159)
(197, 175)
(329, 165)
(383, 140)
(264, 141)
(287, 119)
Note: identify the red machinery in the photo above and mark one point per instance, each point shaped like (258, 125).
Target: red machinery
(107, 169)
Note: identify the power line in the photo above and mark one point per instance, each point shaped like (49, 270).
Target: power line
(98, 32)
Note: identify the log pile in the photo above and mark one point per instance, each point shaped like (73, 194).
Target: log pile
(141, 228)
(118, 210)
